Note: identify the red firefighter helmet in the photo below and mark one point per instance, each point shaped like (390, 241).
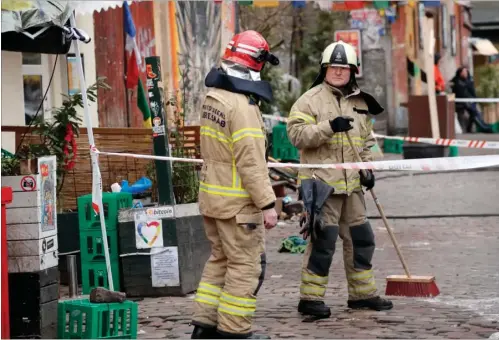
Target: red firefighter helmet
(249, 49)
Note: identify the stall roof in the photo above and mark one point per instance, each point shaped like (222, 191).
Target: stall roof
(483, 46)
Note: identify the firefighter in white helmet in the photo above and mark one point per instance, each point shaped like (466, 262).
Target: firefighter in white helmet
(317, 124)
(236, 198)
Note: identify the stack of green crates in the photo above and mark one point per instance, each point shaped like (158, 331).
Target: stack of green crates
(282, 149)
(93, 262)
(81, 319)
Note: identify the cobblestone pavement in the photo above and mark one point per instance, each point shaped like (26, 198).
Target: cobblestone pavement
(461, 252)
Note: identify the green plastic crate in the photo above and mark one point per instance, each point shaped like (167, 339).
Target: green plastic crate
(94, 274)
(112, 203)
(282, 149)
(393, 146)
(453, 151)
(92, 245)
(81, 319)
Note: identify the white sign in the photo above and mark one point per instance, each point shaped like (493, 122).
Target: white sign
(148, 231)
(161, 212)
(164, 267)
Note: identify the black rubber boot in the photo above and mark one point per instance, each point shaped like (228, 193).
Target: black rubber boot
(317, 309)
(204, 333)
(375, 303)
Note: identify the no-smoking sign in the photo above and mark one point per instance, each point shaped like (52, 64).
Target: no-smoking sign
(28, 183)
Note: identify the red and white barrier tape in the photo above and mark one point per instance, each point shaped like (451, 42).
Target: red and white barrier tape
(463, 143)
(477, 144)
(423, 164)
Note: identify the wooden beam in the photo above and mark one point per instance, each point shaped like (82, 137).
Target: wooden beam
(429, 52)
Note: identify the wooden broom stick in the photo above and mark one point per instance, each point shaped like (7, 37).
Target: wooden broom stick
(381, 211)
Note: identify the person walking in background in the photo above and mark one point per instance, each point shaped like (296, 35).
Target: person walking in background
(463, 87)
(439, 79)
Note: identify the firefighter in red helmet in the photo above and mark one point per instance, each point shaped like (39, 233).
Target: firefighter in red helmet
(236, 198)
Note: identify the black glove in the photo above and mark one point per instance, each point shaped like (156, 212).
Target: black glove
(341, 124)
(367, 181)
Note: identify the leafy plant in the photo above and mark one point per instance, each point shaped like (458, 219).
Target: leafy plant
(487, 81)
(10, 166)
(184, 175)
(55, 133)
(283, 98)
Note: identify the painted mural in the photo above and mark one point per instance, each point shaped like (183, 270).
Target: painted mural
(199, 41)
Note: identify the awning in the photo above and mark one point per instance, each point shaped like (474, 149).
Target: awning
(483, 46)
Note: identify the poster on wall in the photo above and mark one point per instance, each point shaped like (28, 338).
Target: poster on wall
(421, 15)
(73, 78)
(164, 267)
(351, 37)
(47, 180)
(371, 24)
(148, 231)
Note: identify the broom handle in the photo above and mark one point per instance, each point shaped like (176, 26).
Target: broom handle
(381, 212)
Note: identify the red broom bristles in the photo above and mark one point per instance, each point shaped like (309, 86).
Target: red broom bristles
(412, 289)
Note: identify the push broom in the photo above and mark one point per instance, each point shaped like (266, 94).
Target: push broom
(400, 285)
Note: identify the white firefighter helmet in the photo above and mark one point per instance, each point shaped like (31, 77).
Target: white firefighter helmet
(340, 53)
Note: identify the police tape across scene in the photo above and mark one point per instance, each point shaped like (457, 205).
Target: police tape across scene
(422, 164)
(463, 143)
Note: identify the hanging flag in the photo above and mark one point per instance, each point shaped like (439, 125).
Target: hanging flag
(265, 3)
(132, 70)
(381, 4)
(143, 105)
(133, 64)
(299, 4)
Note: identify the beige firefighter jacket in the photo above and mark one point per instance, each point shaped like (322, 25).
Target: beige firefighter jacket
(234, 175)
(309, 130)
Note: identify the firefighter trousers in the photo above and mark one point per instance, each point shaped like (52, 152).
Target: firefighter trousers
(343, 215)
(232, 276)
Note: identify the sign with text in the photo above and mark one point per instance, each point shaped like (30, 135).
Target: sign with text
(351, 37)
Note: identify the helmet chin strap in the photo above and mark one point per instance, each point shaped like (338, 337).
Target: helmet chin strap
(239, 71)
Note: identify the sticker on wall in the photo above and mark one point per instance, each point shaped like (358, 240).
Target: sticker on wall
(148, 231)
(47, 172)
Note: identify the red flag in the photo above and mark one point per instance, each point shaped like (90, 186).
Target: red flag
(132, 72)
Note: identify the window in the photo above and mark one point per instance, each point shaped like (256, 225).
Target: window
(35, 82)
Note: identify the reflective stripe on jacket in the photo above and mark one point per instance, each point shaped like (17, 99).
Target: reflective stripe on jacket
(309, 130)
(234, 173)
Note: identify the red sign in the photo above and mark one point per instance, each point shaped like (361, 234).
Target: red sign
(351, 37)
(28, 183)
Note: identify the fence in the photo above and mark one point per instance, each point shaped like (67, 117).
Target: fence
(115, 169)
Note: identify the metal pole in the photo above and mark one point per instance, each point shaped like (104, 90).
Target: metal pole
(72, 276)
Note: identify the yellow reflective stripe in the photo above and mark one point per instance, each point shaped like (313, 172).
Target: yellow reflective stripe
(237, 301)
(364, 275)
(305, 277)
(213, 133)
(357, 141)
(206, 299)
(237, 311)
(247, 132)
(312, 290)
(339, 185)
(222, 191)
(362, 289)
(306, 117)
(209, 289)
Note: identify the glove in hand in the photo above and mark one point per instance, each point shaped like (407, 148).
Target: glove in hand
(341, 124)
(367, 181)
